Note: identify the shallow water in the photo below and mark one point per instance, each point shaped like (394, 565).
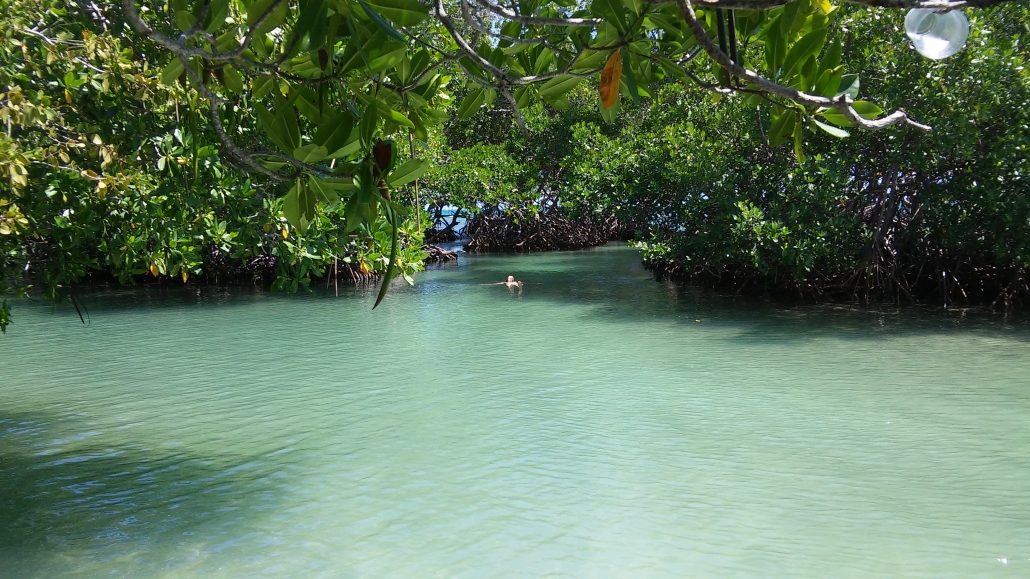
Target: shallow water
(600, 424)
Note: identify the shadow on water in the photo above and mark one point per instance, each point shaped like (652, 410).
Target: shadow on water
(73, 497)
(613, 284)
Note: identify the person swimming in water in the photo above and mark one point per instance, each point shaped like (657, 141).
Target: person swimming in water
(511, 282)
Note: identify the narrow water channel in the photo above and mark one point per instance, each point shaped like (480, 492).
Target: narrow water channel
(599, 425)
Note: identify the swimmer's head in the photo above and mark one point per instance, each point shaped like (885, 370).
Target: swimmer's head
(511, 278)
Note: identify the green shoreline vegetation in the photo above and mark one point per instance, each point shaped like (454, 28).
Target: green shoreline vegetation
(115, 166)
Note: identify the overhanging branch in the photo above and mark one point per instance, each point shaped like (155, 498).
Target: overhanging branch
(841, 103)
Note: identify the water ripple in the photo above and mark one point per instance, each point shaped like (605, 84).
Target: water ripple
(590, 427)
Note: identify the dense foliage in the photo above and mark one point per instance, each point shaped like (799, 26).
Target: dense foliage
(941, 217)
(271, 139)
(110, 173)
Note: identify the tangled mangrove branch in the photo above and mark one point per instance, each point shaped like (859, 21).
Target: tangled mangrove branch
(523, 230)
(903, 259)
(437, 254)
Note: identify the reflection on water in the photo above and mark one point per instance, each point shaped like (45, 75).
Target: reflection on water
(601, 424)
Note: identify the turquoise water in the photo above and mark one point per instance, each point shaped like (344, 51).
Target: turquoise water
(600, 424)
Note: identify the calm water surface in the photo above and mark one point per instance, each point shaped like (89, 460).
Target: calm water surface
(592, 427)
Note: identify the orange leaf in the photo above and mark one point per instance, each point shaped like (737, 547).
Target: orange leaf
(610, 76)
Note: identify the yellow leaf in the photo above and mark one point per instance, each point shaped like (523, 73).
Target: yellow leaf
(364, 268)
(185, 276)
(824, 5)
(67, 96)
(610, 76)
(285, 233)
(153, 269)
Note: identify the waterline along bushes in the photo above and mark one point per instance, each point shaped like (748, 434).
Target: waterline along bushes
(168, 138)
(713, 196)
(941, 218)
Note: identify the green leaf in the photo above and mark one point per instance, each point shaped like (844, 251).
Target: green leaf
(849, 85)
(286, 124)
(559, 85)
(367, 126)
(386, 55)
(782, 127)
(831, 58)
(415, 101)
(217, 11)
(560, 102)
(836, 117)
(419, 63)
(172, 72)
(299, 206)
(323, 192)
(269, 125)
(674, 26)
(401, 12)
(312, 24)
(335, 132)
(866, 109)
(809, 45)
(773, 41)
(400, 209)
(612, 11)
(672, 68)
(799, 150)
(71, 80)
(787, 18)
(839, 133)
(420, 132)
(352, 214)
(233, 80)
(409, 171)
(627, 75)
(470, 105)
(611, 113)
(262, 85)
(828, 81)
(381, 22)
(338, 184)
(184, 19)
(307, 102)
(393, 115)
(543, 61)
(523, 95)
(258, 8)
(391, 267)
(592, 60)
(310, 153)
